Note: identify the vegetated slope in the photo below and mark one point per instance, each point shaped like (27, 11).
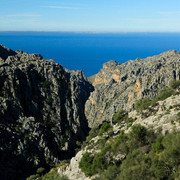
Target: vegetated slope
(118, 86)
(41, 112)
(142, 144)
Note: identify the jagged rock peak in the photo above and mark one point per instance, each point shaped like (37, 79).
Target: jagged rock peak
(103, 76)
(18, 57)
(167, 55)
(34, 56)
(119, 87)
(170, 52)
(110, 64)
(5, 52)
(118, 72)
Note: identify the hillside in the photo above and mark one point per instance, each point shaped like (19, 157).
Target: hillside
(122, 123)
(141, 144)
(134, 113)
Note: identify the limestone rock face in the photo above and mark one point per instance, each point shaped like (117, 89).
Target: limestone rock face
(163, 116)
(118, 86)
(72, 171)
(41, 112)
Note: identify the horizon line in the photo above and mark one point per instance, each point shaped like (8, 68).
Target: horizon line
(90, 32)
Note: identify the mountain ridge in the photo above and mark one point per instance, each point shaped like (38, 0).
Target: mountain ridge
(118, 86)
(47, 110)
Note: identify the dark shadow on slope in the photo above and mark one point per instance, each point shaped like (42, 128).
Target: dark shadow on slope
(5, 52)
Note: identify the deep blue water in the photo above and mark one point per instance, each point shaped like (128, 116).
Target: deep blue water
(88, 51)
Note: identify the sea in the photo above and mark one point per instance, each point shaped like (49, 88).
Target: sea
(88, 51)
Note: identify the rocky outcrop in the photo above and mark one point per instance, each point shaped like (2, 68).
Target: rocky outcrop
(162, 116)
(5, 52)
(118, 86)
(72, 170)
(41, 113)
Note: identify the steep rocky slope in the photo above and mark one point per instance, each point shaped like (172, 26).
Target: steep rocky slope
(46, 110)
(41, 112)
(163, 118)
(118, 86)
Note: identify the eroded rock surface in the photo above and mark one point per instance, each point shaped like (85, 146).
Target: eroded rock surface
(41, 112)
(118, 86)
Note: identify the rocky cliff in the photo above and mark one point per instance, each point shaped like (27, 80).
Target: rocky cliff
(134, 113)
(118, 86)
(41, 112)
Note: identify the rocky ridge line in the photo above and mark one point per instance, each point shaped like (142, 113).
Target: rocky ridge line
(118, 86)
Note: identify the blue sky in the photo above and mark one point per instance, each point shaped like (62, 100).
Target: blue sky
(90, 15)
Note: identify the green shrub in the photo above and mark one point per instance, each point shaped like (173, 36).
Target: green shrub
(101, 142)
(135, 166)
(145, 103)
(110, 173)
(104, 128)
(157, 147)
(49, 100)
(53, 175)
(120, 143)
(138, 133)
(142, 104)
(158, 169)
(64, 178)
(40, 171)
(175, 175)
(99, 163)
(46, 86)
(91, 165)
(33, 177)
(120, 116)
(163, 95)
(171, 153)
(165, 164)
(93, 133)
(175, 84)
(178, 114)
(86, 164)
